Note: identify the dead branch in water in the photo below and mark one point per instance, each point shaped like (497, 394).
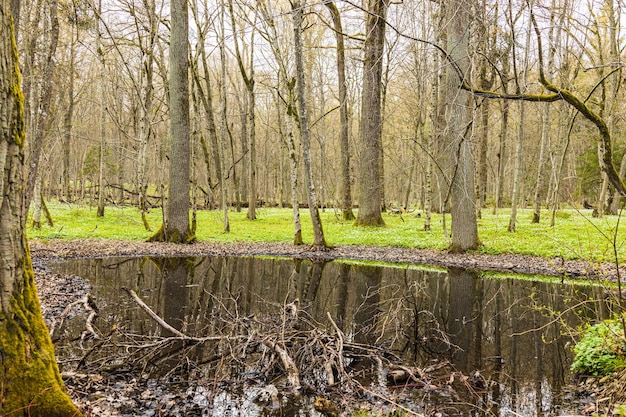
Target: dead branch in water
(279, 344)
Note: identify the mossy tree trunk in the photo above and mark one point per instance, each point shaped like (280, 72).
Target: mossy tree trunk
(30, 383)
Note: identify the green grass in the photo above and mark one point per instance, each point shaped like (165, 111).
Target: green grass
(576, 235)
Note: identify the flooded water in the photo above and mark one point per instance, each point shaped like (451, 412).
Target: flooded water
(511, 334)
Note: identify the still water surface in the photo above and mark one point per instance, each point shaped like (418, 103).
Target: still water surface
(515, 330)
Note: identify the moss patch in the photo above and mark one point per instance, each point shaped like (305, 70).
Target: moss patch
(32, 385)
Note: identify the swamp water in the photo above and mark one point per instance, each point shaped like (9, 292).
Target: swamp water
(463, 342)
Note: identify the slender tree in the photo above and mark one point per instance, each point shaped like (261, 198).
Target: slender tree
(318, 233)
(248, 79)
(344, 139)
(42, 108)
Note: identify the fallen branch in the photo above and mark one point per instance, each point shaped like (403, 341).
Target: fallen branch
(90, 306)
(171, 329)
(293, 375)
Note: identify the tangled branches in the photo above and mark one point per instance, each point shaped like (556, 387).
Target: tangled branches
(282, 352)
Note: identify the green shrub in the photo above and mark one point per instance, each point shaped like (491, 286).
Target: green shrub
(601, 350)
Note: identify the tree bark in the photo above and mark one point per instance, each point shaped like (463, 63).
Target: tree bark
(68, 119)
(458, 124)
(248, 79)
(145, 109)
(176, 226)
(517, 174)
(43, 105)
(29, 376)
(370, 129)
(318, 234)
(344, 139)
(221, 152)
(102, 115)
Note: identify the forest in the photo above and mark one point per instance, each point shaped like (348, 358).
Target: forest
(375, 112)
(426, 105)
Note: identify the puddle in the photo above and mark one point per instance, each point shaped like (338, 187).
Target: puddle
(507, 340)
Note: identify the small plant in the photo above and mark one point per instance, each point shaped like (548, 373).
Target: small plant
(602, 349)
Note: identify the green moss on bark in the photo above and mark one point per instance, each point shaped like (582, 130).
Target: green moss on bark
(31, 383)
(172, 236)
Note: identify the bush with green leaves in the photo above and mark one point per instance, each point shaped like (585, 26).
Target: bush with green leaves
(601, 350)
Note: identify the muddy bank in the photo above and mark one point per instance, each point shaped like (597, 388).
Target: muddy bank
(525, 264)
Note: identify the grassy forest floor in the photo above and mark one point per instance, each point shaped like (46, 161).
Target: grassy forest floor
(578, 244)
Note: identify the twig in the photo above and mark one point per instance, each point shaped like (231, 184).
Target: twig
(166, 326)
(339, 343)
(65, 313)
(89, 305)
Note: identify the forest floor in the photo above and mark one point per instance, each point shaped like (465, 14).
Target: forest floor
(42, 251)
(105, 397)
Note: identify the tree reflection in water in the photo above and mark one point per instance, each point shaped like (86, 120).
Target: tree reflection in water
(505, 349)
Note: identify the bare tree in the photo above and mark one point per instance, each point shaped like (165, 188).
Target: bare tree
(344, 139)
(318, 233)
(42, 109)
(248, 79)
(459, 127)
(370, 127)
(176, 227)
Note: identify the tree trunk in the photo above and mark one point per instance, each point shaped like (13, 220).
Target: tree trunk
(517, 175)
(602, 195)
(37, 197)
(503, 139)
(318, 234)
(176, 222)
(545, 140)
(615, 202)
(221, 152)
(102, 116)
(344, 139)
(248, 79)
(68, 120)
(458, 126)
(293, 165)
(370, 184)
(285, 93)
(29, 375)
(43, 105)
(145, 110)
(545, 119)
(517, 170)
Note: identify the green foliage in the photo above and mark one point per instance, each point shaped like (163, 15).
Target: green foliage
(573, 237)
(601, 350)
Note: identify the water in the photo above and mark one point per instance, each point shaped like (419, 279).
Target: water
(510, 336)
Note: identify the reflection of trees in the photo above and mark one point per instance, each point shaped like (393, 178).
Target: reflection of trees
(406, 311)
(462, 320)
